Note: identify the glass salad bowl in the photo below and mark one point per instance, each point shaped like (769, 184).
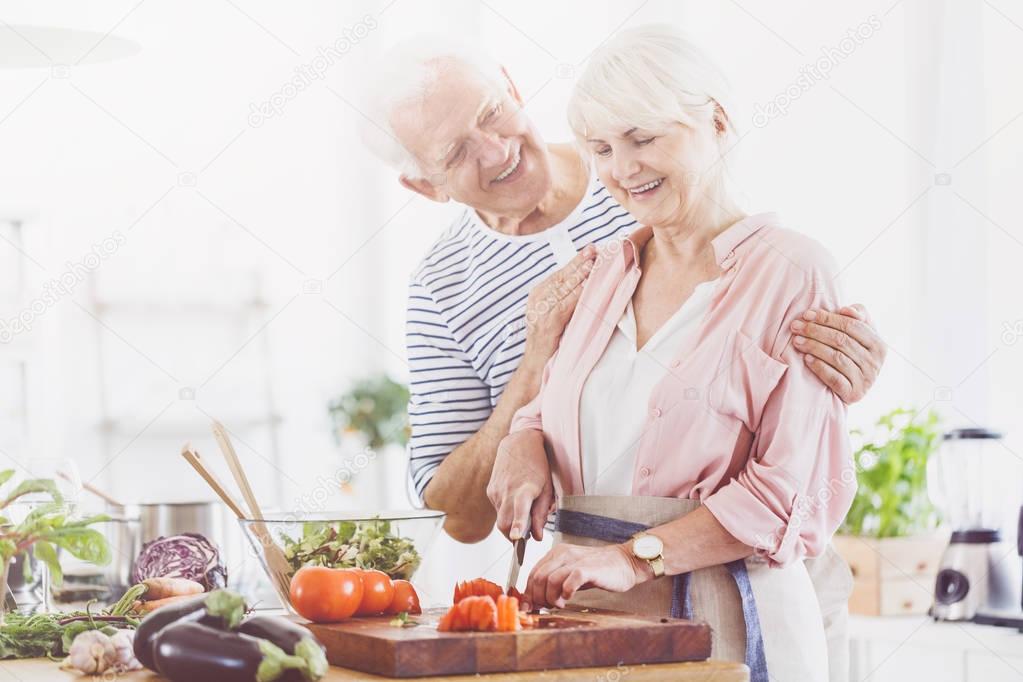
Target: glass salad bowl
(394, 542)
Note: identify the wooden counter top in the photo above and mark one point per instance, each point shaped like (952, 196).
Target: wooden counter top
(43, 670)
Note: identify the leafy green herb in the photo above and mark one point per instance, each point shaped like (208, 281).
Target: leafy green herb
(347, 544)
(402, 621)
(51, 634)
(891, 500)
(47, 527)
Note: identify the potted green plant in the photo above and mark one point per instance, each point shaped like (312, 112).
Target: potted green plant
(371, 427)
(46, 525)
(889, 537)
(376, 408)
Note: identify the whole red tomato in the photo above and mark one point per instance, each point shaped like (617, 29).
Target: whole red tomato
(405, 598)
(377, 593)
(326, 595)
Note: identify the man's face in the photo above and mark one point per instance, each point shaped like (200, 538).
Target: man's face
(475, 144)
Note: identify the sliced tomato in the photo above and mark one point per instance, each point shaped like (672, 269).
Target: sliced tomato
(508, 614)
(477, 588)
(447, 621)
(473, 613)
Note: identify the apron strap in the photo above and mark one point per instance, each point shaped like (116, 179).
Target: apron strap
(594, 526)
(586, 525)
(755, 657)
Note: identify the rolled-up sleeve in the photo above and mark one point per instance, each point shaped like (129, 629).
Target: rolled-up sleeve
(799, 481)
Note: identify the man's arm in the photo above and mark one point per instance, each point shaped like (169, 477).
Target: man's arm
(459, 483)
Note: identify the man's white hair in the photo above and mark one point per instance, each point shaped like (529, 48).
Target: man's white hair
(404, 75)
(646, 76)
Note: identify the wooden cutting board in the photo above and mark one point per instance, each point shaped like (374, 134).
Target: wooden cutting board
(567, 638)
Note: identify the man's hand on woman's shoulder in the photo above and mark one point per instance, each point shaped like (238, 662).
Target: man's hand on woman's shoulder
(842, 348)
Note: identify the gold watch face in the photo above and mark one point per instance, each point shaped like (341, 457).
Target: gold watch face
(647, 547)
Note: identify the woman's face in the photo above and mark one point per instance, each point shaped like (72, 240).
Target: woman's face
(656, 174)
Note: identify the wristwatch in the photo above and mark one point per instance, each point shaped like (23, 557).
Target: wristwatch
(650, 549)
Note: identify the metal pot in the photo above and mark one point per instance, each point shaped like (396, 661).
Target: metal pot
(133, 525)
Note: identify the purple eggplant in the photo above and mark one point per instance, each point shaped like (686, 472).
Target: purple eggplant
(192, 652)
(220, 609)
(293, 640)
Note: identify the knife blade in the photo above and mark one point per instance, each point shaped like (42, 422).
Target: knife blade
(518, 555)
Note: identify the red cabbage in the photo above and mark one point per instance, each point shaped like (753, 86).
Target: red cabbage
(189, 555)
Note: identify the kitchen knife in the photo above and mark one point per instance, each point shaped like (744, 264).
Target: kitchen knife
(519, 555)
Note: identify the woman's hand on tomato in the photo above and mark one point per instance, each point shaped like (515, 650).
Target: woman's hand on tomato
(377, 593)
(326, 595)
(568, 568)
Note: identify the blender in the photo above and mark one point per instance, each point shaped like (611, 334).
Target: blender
(979, 577)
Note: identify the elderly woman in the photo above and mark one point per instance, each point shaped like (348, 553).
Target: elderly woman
(695, 460)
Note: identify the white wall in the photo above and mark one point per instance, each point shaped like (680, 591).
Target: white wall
(296, 199)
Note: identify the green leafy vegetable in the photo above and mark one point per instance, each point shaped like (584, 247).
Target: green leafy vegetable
(47, 553)
(347, 544)
(46, 527)
(51, 634)
(891, 471)
(402, 621)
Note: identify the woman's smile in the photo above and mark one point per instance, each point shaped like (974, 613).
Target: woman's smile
(645, 191)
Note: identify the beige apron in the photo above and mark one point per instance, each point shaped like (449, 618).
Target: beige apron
(833, 581)
(791, 623)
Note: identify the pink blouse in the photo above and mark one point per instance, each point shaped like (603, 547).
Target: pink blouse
(738, 421)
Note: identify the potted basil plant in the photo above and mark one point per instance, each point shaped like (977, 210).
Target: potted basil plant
(889, 537)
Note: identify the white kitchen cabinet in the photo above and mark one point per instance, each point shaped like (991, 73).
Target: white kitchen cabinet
(890, 649)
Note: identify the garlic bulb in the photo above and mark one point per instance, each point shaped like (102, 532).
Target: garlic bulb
(92, 652)
(123, 645)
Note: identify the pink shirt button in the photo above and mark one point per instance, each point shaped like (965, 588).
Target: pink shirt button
(656, 412)
(675, 363)
(644, 471)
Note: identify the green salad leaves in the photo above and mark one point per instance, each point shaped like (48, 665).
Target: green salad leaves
(351, 544)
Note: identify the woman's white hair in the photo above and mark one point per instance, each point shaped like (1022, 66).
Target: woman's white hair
(404, 75)
(647, 77)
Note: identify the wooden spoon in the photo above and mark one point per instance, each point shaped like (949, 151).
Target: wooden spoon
(280, 569)
(193, 458)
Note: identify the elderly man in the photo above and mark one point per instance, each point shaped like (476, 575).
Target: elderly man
(489, 301)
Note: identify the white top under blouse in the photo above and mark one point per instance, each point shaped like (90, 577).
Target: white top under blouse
(613, 406)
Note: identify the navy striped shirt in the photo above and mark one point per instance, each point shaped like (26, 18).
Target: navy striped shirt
(465, 330)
